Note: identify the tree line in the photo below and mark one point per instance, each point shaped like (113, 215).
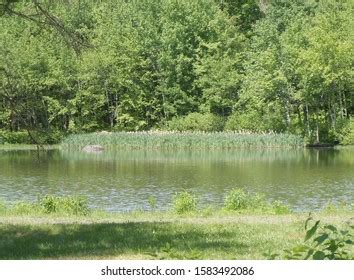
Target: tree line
(256, 65)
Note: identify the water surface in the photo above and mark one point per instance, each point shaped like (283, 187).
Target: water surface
(306, 179)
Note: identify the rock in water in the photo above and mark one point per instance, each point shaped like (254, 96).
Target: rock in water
(93, 149)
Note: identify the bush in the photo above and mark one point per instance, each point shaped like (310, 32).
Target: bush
(253, 120)
(236, 199)
(346, 135)
(196, 122)
(47, 136)
(22, 137)
(184, 202)
(18, 137)
(64, 205)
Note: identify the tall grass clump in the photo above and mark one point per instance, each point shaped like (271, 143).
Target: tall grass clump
(64, 205)
(49, 204)
(238, 200)
(154, 140)
(184, 203)
(3, 207)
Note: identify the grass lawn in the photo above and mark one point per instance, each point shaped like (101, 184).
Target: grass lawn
(152, 236)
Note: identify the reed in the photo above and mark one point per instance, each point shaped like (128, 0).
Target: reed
(155, 140)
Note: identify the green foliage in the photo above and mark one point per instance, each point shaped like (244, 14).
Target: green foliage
(333, 208)
(67, 206)
(25, 208)
(184, 203)
(152, 201)
(64, 205)
(3, 207)
(326, 242)
(282, 66)
(19, 137)
(196, 122)
(238, 200)
(255, 121)
(280, 208)
(346, 134)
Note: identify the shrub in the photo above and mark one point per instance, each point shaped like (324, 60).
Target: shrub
(236, 199)
(196, 122)
(255, 121)
(324, 243)
(18, 137)
(184, 202)
(346, 135)
(64, 205)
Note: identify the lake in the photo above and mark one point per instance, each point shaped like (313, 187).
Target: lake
(305, 179)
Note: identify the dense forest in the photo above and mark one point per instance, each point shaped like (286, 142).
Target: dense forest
(74, 66)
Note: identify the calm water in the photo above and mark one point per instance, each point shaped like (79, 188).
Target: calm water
(119, 181)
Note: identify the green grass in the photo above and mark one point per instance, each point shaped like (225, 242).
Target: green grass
(56, 228)
(151, 236)
(181, 140)
(65, 228)
(348, 138)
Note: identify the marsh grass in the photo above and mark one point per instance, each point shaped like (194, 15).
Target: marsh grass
(64, 206)
(154, 140)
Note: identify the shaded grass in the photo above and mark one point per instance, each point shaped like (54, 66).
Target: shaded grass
(151, 240)
(149, 236)
(155, 140)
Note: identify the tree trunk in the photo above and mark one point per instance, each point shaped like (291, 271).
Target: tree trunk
(307, 120)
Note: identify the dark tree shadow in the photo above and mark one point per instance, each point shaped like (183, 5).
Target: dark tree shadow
(112, 239)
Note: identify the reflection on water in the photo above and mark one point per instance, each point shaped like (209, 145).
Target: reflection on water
(119, 181)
